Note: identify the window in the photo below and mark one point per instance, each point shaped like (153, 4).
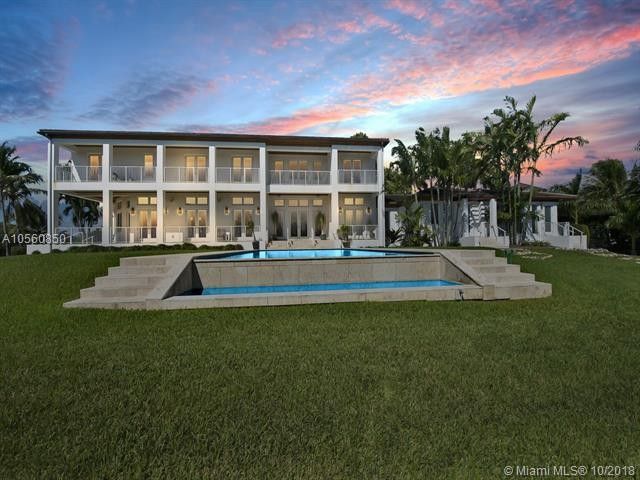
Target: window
(317, 202)
(143, 200)
(346, 164)
(357, 164)
(278, 203)
(247, 162)
(302, 165)
(304, 202)
(248, 200)
(241, 162)
(153, 200)
(278, 165)
(359, 201)
(203, 200)
(293, 164)
(236, 200)
(317, 164)
(348, 201)
(148, 165)
(190, 200)
(293, 203)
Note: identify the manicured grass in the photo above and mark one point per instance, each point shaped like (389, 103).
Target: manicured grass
(395, 390)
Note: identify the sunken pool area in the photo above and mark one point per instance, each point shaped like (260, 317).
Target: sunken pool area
(293, 277)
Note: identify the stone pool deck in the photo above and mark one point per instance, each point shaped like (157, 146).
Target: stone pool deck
(156, 282)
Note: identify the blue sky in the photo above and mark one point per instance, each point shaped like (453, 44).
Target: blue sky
(321, 68)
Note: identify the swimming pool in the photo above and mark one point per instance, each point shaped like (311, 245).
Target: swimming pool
(319, 253)
(320, 287)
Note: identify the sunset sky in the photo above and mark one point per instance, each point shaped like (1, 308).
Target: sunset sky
(321, 68)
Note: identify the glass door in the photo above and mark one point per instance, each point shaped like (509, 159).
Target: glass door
(202, 223)
(293, 223)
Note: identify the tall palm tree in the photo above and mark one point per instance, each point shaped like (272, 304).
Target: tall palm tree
(17, 180)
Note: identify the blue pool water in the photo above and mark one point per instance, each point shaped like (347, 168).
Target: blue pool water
(328, 253)
(320, 287)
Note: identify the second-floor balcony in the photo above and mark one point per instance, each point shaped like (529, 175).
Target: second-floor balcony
(186, 174)
(237, 175)
(73, 173)
(299, 177)
(133, 173)
(358, 177)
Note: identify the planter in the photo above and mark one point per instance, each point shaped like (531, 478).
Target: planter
(256, 245)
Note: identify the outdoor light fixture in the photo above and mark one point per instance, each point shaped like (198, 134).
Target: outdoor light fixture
(179, 211)
(133, 212)
(226, 210)
(368, 210)
(340, 210)
(258, 211)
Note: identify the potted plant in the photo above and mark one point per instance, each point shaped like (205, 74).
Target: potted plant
(343, 235)
(251, 232)
(320, 223)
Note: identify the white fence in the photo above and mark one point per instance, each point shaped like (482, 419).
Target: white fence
(237, 175)
(299, 177)
(358, 177)
(186, 174)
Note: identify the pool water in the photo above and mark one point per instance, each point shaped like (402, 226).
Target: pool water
(320, 253)
(321, 287)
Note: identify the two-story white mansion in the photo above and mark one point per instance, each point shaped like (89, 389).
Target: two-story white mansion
(211, 188)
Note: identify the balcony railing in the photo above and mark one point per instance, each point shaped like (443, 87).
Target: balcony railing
(182, 233)
(361, 232)
(134, 234)
(563, 229)
(236, 233)
(186, 174)
(79, 235)
(358, 177)
(72, 173)
(299, 177)
(133, 173)
(237, 175)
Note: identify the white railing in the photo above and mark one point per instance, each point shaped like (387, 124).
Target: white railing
(563, 229)
(300, 177)
(358, 177)
(237, 233)
(133, 173)
(362, 232)
(495, 232)
(186, 174)
(182, 233)
(71, 173)
(80, 235)
(237, 175)
(134, 234)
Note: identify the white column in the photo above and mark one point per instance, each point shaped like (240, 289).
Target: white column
(160, 215)
(212, 194)
(264, 228)
(160, 154)
(493, 217)
(334, 220)
(107, 154)
(554, 219)
(213, 237)
(464, 205)
(541, 220)
(381, 222)
(50, 194)
(106, 216)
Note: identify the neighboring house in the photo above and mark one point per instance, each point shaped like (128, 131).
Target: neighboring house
(209, 188)
(476, 222)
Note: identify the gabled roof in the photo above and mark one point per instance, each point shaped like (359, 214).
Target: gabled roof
(278, 140)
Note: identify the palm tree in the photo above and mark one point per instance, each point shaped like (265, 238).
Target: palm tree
(84, 213)
(627, 216)
(571, 188)
(16, 185)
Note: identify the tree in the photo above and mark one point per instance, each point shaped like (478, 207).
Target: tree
(84, 213)
(17, 180)
(394, 182)
(571, 188)
(359, 135)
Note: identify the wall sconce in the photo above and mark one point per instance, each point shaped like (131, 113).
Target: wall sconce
(226, 210)
(368, 210)
(340, 210)
(132, 212)
(166, 211)
(258, 211)
(179, 211)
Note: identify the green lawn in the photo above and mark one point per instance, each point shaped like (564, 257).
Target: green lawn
(396, 390)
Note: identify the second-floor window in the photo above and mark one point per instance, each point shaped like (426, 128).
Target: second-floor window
(148, 165)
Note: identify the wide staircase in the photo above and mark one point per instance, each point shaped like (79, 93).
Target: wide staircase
(495, 274)
(125, 286)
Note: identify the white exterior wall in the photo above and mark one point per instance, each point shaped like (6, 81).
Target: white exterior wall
(171, 195)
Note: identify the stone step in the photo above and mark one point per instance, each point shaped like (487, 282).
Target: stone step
(509, 278)
(128, 280)
(114, 303)
(486, 261)
(114, 291)
(139, 270)
(497, 268)
(143, 261)
(467, 254)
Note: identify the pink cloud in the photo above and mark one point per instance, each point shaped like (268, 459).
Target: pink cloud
(293, 33)
(416, 9)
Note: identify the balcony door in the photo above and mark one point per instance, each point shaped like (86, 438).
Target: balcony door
(197, 223)
(148, 223)
(241, 168)
(196, 168)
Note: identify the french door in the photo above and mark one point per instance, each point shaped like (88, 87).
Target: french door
(148, 223)
(197, 223)
(298, 222)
